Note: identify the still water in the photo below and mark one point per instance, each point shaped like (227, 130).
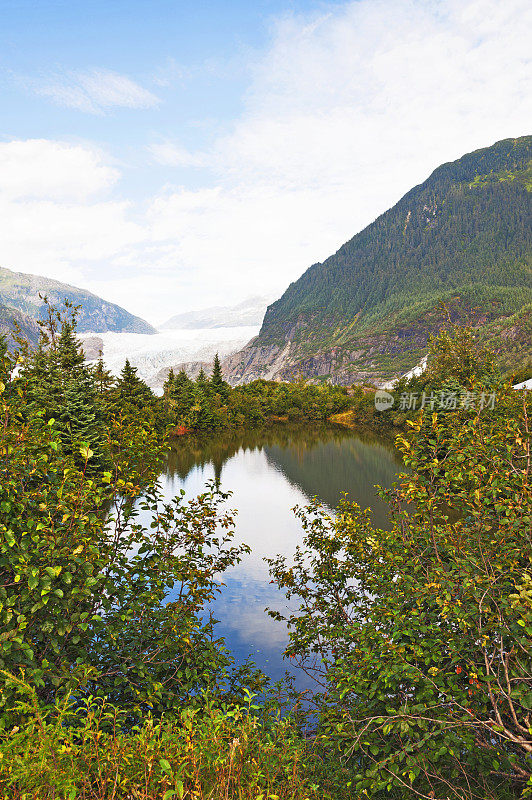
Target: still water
(269, 472)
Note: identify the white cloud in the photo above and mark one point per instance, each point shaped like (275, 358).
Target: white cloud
(52, 170)
(386, 90)
(240, 241)
(95, 91)
(57, 218)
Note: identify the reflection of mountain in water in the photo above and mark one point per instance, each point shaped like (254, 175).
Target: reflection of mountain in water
(331, 468)
(322, 462)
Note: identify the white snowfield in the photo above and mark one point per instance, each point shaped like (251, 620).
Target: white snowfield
(524, 385)
(413, 373)
(167, 348)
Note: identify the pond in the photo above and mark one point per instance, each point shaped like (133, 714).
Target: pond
(269, 472)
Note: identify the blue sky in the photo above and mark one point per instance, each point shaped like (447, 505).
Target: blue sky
(172, 155)
(193, 57)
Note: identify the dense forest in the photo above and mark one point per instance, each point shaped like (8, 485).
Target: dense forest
(211, 404)
(419, 636)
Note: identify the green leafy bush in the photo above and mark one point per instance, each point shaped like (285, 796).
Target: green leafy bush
(219, 753)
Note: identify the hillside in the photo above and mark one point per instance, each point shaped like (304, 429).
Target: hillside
(21, 292)
(463, 237)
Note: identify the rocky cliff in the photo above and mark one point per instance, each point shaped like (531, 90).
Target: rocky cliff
(12, 320)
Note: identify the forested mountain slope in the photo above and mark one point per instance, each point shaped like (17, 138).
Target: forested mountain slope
(20, 291)
(463, 237)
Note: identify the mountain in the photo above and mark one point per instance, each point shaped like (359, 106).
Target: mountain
(463, 237)
(249, 312)
(21, 292)
(12, 319)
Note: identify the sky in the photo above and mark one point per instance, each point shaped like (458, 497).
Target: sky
(171, 156)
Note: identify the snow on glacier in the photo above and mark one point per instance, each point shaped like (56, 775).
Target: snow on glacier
(151, 353)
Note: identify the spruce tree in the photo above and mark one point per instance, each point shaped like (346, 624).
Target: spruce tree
(42, 377)
(168, 383)
(217, 381)
(181, 379)
(79, 418)
(133, 389)
(128, 375)
(103, 378)
(69, 352)
(182, 396)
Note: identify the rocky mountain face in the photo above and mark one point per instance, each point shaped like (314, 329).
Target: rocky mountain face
(11, 319)
(463, 239)
(21, 292)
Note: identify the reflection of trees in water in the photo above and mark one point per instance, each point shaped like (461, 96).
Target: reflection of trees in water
(309, 457)
(192, 451)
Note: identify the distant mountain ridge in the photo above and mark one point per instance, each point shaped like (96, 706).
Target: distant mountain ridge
(20, 292)
(463, 237)
(249, 312)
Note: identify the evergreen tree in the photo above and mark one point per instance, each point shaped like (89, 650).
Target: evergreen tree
(181, 379)
(69, 352)
(217, 381)
(103, 378)
(133, 389)
(128, 375)
(79, 418)
(182, 396)
(168, 382)
(42, 378)
(217, 377)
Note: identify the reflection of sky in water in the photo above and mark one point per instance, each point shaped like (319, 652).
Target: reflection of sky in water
(267, 482)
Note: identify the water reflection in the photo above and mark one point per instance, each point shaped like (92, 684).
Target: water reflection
(269, 472)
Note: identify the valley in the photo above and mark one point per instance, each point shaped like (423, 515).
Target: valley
(225, 522)
(266, 400)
